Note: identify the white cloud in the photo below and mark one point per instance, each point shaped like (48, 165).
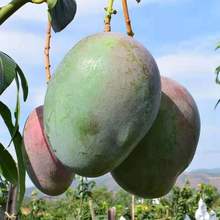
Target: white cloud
(193, 63)
(22, 45)
(188, 64)
(196, 71)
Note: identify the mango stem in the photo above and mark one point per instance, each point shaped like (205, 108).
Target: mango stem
(47, 52)
(127, 18)
(109, 12)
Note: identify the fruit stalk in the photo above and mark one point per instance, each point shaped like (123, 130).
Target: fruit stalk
(47, 52)
(109, 12)
(127, 18)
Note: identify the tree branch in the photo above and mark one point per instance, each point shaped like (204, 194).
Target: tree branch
(9, 9)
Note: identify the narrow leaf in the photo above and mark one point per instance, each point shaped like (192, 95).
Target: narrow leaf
(7, 71)
(18, 144)
(217, 71)
(6, 116)
(16, 112)
(61, 13)
(24, 83)
(8, 166)
(218, 46)
(17, 108)
(217, 103)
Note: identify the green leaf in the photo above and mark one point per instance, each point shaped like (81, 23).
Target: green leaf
(6, 116)
(7, 71)
(24, 83)
(18, 144)
(216, 105)
(51, 3)
(17, 108)
(217, 71)
(8, 166)
(61, 13)
(16, 112)
(218, 46)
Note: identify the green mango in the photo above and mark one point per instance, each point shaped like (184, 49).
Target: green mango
(151, 170)
(101, 102)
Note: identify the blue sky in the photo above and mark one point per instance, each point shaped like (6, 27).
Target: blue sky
(181, 35)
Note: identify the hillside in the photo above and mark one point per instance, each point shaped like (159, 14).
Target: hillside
(195, 177)
(201, 176)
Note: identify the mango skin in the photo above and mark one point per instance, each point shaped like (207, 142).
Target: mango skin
(152, 168)
(47, 173)
(102, 100)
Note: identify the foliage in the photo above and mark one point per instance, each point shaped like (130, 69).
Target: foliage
(174, 206)
(15, 174)
(3, 192)
(61, 13)
(217, 71)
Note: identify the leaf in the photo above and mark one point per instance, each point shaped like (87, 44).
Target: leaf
(217, 71)
(18, 144)
(16, 112)
(24, 83)
(218, 46)
(51, 3)
(216, 105)
(7, 71)
(8, 166)
(17, 108)
(61, 13)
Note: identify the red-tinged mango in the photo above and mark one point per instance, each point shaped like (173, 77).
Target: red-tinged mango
(151, 170)
(47, 173)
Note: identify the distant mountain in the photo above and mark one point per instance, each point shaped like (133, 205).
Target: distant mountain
(195, 177)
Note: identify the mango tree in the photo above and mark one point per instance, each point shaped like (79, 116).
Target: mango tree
(102, 105)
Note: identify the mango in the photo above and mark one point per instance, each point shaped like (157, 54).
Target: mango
(101, 101)
(47, 173)
(151, 170)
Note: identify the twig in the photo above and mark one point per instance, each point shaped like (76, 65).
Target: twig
(132, 207)
(112, 214)
(127, 18)
(109, 12)
(92, 212)
(47, 52)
